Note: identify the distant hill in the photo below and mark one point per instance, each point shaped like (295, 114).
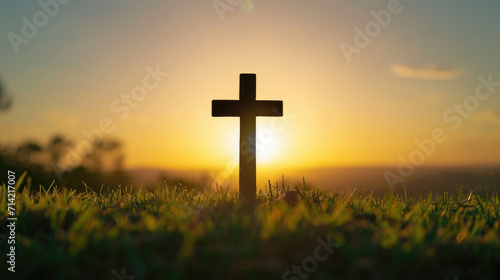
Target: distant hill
(366, 179)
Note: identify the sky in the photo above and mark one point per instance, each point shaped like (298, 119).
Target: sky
(362, 81)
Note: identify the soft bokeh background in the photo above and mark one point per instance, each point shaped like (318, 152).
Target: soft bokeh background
(366, 110)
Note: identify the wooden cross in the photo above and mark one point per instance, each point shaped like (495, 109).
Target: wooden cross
(247, 108)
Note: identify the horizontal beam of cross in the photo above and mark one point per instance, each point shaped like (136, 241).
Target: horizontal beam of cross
(238, 108)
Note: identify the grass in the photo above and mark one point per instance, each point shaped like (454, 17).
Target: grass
(173, 233)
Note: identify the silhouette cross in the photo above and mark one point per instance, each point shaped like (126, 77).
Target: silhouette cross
(247, 108)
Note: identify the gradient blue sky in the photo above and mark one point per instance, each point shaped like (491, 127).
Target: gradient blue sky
(366, 112)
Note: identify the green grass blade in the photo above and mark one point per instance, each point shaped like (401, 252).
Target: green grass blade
(20, 180)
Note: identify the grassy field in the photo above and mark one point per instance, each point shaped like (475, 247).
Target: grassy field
(307, 233)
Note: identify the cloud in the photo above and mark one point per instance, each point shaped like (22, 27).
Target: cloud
(431, 72)
(62, 118)
(488, 116)
(248, 6)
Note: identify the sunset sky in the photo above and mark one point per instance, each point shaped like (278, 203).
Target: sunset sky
(364, 106)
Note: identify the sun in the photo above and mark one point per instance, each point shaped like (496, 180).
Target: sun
(269, 144)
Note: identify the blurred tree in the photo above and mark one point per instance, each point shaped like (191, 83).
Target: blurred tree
(56, 148)
(27, 150)
(106, 155)
(102, 167)
(5, 100)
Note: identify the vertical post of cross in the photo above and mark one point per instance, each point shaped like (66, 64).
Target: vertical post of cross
(248, 130)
